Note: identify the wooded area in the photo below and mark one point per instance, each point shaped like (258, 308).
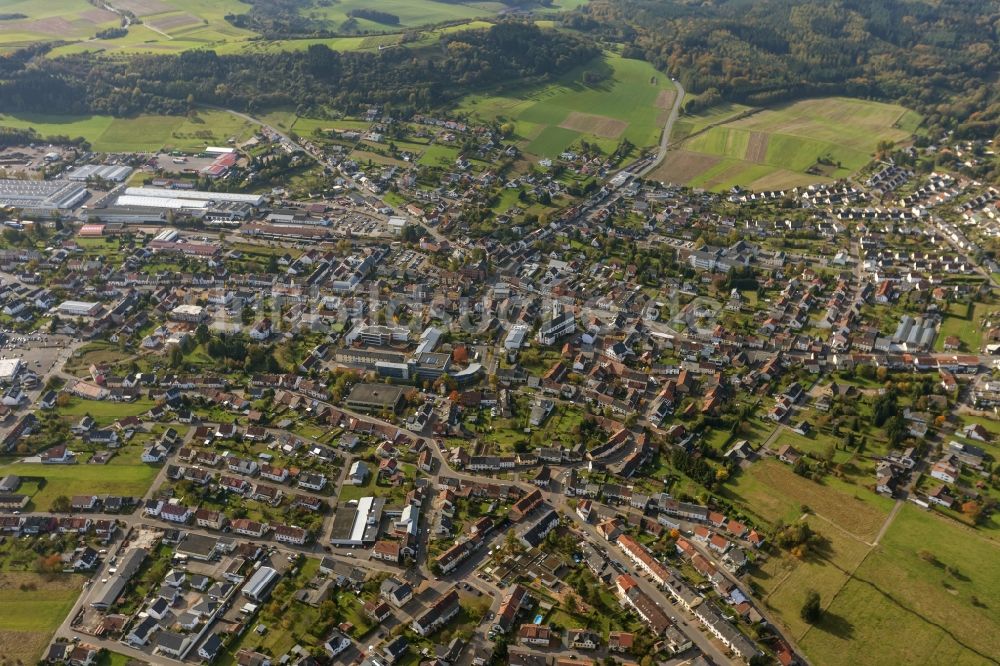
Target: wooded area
(312, 81)
(938, 58)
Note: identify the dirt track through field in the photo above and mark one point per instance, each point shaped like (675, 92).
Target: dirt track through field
(588, 123)
(680, 166)
(757, 147)
(665, 100)
(142, 7)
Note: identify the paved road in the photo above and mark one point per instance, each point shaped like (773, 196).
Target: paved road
(690, 628)
(685, 621)
(661, 152)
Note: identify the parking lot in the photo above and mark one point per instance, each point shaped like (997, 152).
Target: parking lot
(30, 158)
(38, 351)
(189, 164)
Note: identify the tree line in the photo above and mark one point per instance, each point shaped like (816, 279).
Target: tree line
(939, 58)
(285, 19)
(312, 81)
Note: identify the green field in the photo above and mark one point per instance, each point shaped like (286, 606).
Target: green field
(140, 134)
(124, 475)
(105, 412)
(687, 125)
(784, 581)
(773, 492)
(899, 608)
(966, 325)
(51, 20)
(166, 25)
(631, 103)
(804, 142)
(172, 26)
(411, 13)
(32, 607)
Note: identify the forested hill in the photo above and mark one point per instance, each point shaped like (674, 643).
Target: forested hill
(313, 81)
(939, 57)
(290, 19)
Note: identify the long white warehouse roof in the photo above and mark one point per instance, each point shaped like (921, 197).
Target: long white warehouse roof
(254, 199)
(361, 522)
(159, 202)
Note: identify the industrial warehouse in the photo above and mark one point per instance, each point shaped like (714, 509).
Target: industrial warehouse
(112, 173)
(358, 524)
(157, 193)
(141, 205)
(43, 198)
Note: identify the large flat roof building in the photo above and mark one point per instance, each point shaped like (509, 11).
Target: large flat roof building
(115, 173)
(375, 397)
(9, 367)
(41, 196)
(78, 308)
(358, 525)
(166, 203)
(195, 195)
(128, 215)
(188, 312)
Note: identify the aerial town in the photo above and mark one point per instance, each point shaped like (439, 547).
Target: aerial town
(335, 430)
(408, 388)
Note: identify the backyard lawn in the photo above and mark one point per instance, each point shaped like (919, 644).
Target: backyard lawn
(126, 477)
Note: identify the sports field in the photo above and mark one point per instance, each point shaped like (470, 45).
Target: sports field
(632, 102)
(142, 133)
(32, 606)
(810, 141)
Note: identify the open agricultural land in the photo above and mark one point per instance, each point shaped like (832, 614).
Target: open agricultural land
(924, 588)
(32, 606)
(145, 133)
(801, 143)
(164, 25)
(874, 569)
(375, 42)
(29, 21)
(172, 26)
(630, 101)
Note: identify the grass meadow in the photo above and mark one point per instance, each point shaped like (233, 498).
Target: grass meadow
(173, 26)
(803, 142)
(124, 475)
(32, 606)
(145, 133)
(924, 593)
(632, 102)
(898, 607)
(772, 491)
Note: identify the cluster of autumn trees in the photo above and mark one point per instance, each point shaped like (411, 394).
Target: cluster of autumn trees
(293, 19)
(939, 58)
(312, 81)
